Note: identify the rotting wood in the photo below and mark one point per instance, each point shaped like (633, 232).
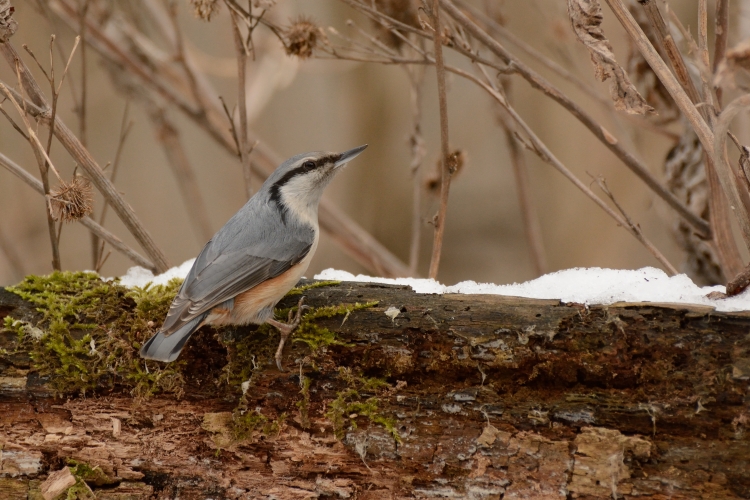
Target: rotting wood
(490, 397)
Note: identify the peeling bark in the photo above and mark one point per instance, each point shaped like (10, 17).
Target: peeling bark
(489, 397)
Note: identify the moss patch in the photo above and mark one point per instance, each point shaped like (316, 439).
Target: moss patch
(351, 403)
(299, 290)
(91, 331)
(317, 337)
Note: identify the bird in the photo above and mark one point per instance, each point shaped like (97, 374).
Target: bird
(255, 258)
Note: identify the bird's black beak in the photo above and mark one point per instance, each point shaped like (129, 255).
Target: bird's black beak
(348, 156)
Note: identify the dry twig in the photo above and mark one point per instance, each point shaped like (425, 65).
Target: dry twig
(635, 229)
(242, 54)
(38, 108)
(605, 137)
(447, 170)
(88, 222)
(344, 231)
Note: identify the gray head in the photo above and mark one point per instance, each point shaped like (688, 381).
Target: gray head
(298, 183)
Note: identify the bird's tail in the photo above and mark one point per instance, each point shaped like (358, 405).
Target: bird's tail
(162, 347)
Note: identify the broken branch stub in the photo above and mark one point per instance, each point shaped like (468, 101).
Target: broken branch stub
(586, 19)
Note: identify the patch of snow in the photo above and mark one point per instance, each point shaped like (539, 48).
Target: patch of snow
(582, 285)
(139, 276)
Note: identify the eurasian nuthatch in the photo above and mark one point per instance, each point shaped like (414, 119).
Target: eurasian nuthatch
(255, 259)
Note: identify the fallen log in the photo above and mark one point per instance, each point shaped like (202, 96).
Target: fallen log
(403, 396)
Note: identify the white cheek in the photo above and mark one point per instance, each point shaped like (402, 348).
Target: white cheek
(300, 199)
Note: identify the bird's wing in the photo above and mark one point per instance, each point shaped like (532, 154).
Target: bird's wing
(221, 274)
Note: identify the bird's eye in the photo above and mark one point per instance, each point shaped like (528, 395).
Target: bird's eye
(309, 164)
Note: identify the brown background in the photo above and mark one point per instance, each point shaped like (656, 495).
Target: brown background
(336, 105)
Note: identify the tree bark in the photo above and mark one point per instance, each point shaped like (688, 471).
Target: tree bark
(432, 396)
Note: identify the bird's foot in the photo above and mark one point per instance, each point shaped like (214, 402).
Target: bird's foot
(286, 329)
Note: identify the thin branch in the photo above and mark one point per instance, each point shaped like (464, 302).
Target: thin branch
(418, 152)
(447, 167)
(125, 127)
(341, 228)
(44, 167)
(670, 47)
(732, 181)
(722, 34)
(605, 102)
(241, 52)
(543, 152)
(532, 229)
(82, 129)
(674, 88)
(605, 137)
(88, 222)
(70, 142)
(184, 174)
(635, 229)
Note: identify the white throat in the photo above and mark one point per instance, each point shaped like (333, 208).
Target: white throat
(301, 195)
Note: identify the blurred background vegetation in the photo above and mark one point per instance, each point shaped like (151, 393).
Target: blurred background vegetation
(319, 103)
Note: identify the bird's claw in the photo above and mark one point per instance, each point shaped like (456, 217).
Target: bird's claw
(294, 318)
(286, 330)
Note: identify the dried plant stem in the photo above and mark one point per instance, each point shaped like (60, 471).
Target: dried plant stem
(531, 226)
(671, 49)
(82, 129)
(357, 242)
(722, 33)
(662, 71)
(447, 169)
(88, 222)
(706, 136)
(635, 229)
(417, 148)
(734, 183)
(45, 164)
(125, 126)
(74, 147)
(605, 137)
(723, 238)
(726, 248)
(184, 174)
(504, 33)
(242, 55)
(543, 152)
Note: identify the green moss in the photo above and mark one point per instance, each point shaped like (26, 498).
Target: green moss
(250, 353)
(245, 423)
(86, 475)
(299, 290)
(317, 337)
(91, 475)
(304, 403)
(92, 331)
(349, 405)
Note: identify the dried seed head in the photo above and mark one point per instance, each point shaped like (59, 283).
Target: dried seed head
(302, 37)
(456, 164)
(72, 201)
(204, 9)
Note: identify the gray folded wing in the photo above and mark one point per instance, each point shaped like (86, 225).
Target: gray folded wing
(217, 277)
